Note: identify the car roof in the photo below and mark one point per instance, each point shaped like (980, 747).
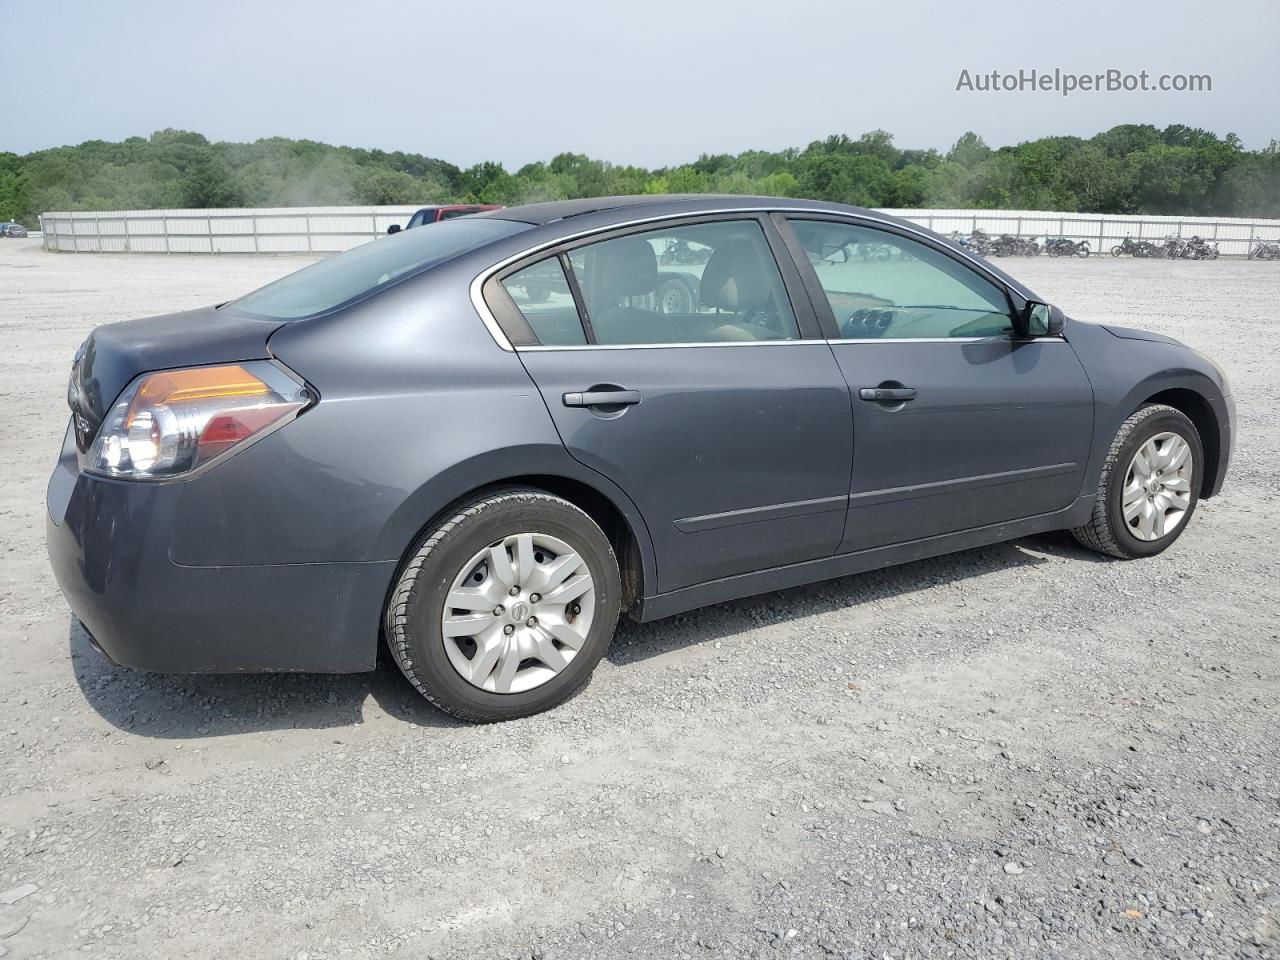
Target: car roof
(539, 214)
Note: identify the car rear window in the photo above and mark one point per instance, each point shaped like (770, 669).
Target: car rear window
(363, 270)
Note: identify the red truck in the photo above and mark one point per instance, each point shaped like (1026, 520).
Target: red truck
(446, 212)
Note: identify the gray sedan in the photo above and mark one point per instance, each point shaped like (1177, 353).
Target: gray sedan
(481, 443)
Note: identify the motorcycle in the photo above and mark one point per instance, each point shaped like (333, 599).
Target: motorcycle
(1062, 247)
(1127, 245)
(1004, 245)
(1173, 247)
(1198, 249)
(680, 252)
(1264, 249)
(979, 242)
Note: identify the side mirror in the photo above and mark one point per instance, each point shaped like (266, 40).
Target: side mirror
(394, 228)
(1041, 320)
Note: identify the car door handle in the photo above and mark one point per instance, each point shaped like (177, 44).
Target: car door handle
(602, 398)
(887, 394)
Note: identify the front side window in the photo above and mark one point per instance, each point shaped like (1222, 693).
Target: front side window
(883, 286)
(541, 293)
(706, 283)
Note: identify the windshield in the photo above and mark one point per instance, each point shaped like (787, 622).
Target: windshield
(370, 266)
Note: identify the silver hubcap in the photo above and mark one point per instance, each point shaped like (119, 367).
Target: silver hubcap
(1157, 488)
(518, 613)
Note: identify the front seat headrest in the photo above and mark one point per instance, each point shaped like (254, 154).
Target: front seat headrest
(627, 268)
(736, 278)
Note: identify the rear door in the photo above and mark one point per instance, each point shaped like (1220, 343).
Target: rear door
(957, 424)
(726, 425)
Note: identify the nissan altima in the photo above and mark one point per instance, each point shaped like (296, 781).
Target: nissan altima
(481, 443)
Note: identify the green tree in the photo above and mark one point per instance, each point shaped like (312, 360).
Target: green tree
(969, 151)
(1129, 168)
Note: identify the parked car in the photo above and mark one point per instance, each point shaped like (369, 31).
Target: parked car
(439, 214)
(402, 438)
(11, 229)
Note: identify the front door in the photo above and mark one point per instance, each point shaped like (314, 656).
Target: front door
(728, 430)
(957, 423)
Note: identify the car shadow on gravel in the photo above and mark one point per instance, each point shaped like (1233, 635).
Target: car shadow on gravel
(639, 641)
(176, 707)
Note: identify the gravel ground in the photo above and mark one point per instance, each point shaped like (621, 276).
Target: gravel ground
(1019, 751)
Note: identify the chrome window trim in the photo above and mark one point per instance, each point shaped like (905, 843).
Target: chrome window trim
(540, 348)
(491, 322)
(798, 341)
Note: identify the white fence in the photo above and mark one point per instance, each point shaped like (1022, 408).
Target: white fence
(248, 230)
(331, 229)
(1103, 231)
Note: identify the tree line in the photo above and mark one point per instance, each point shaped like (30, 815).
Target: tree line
(1133, 168)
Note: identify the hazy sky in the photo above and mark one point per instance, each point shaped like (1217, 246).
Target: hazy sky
(650, 83)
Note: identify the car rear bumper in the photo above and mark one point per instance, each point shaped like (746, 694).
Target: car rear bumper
(108, 542)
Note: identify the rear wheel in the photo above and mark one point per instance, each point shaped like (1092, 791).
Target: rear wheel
(1149, 486)
(505, 608)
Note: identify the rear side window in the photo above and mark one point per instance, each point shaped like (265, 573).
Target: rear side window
(883, 286)
(705, 283)
(541, 293)
(369, 267)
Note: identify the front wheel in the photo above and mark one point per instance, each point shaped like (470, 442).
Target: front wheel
(1149, 486)
(505, 608)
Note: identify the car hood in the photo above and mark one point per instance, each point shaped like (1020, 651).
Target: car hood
(1131, 333)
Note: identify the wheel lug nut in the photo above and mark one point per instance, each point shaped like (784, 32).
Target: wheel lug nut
(499, 610)
(532, 622)
(508, 629)
(514, 591)
(535, 598)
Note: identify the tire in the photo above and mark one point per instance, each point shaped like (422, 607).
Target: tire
(413, 619)
(1116, 251)
(674, 296)
(1107, 530)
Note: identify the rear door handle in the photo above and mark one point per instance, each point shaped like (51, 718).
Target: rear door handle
(887, 394)
(602, 398)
